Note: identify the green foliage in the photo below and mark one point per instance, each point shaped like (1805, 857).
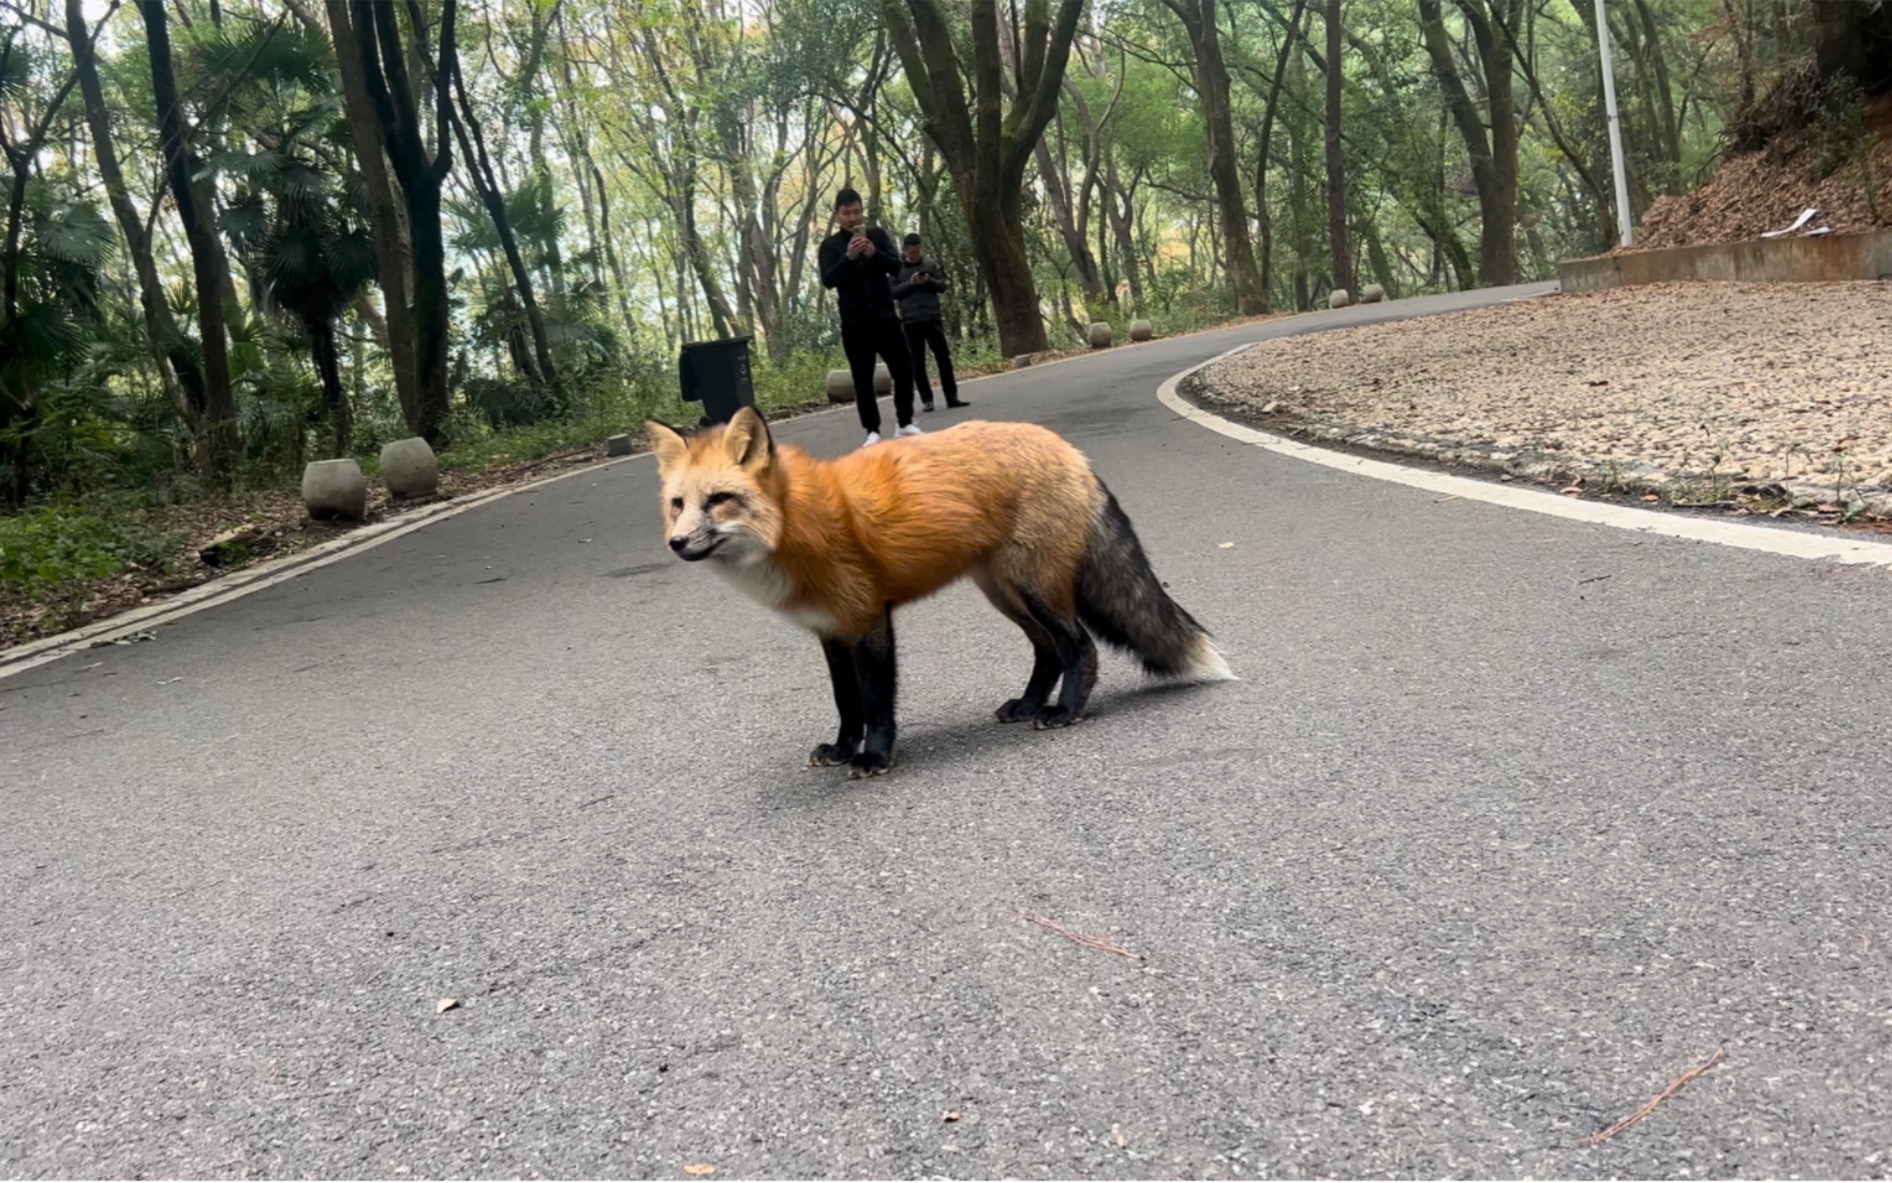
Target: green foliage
(1844, 120)
(49, 551)
(607, 118)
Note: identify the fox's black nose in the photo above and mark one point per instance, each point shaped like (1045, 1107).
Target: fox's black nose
(679, 542)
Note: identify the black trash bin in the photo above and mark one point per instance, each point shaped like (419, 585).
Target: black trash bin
(717, 374)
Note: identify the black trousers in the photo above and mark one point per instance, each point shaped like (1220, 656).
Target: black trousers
(861, 341)
(921, 336)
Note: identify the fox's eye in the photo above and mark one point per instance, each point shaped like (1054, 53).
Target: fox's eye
(716, 499)
(676, 503)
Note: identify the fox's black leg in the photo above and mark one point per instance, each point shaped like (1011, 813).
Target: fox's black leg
(1046, 665)
(874, 667)
(1078, 655)
(847, 700)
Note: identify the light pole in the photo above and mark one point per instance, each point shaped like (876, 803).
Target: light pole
(1616, 125)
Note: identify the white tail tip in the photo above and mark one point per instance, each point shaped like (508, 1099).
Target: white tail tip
(1206, 664)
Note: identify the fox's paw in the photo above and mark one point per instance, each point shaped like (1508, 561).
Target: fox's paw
(1018, 710)
(828, 755)
(868, 764)
(1056, 716)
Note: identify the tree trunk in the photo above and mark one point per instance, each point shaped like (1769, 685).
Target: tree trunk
(696, 254)
(1494, 157)
(384, 70)
(341, 418)
(1283, 55)
(1064, 213)
(1852, 37)
(390, 241)
(1119, 218)
(466, 126)
(1591, 172)
(18, 408)
(1212, 88)
(1497, 241)
(1376, 257)
(578, 145)
(178, 368)
(619, 280)
(985, 146)
(1336, 159)
(209, 268)
(1668, 119)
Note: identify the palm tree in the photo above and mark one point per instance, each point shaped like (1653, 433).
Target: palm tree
(300, 223)
(313, 255)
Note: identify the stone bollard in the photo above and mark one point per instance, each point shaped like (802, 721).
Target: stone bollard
(335, 489)
(617, 445)
(1372, 293)
(1141, 330)
(1339, 298)
(1100, 335)
(1021, 361)
(841, 384)
(409, 469)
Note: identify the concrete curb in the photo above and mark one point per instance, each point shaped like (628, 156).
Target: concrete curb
(1863, 255)
(266, 574)
(1767, 539)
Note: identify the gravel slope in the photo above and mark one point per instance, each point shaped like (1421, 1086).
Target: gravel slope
(1691, 390)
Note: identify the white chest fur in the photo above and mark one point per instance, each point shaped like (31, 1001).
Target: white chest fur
(763, 583)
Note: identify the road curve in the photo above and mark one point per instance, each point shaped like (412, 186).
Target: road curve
(1511, 821)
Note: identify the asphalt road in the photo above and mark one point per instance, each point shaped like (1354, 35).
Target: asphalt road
(1511, 821)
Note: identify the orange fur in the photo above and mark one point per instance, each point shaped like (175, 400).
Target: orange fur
(833, 543)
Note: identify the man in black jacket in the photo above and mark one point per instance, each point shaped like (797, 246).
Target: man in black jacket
(916, 289)
(856, 262)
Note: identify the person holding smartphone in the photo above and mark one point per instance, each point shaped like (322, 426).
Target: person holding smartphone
(857, 262)
(916, 290)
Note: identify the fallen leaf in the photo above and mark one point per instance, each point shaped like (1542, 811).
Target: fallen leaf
(1650, 497)
(445, 1005)
(1226, 546)
(1122, 1142)
(1572, 491)
(699, 1170)
(949, 1115)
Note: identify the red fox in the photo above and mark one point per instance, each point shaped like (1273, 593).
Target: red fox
(837, 545)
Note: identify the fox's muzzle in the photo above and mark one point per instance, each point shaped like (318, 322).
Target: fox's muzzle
(681, 544)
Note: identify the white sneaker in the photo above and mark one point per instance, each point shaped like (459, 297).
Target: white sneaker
(873, 437)
(910, 429)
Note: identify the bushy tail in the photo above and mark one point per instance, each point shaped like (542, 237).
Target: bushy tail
(1123, 603)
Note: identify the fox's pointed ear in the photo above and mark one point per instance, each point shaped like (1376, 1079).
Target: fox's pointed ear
(748, 440)
(671, 448)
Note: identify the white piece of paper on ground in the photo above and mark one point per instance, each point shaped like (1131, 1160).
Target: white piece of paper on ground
(1806, 216)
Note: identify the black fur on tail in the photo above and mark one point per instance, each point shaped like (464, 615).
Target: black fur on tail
(1120, 599)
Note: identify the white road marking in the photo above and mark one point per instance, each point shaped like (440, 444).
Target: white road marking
(1745, 535)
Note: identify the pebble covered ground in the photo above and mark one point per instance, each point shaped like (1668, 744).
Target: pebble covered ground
(1676, 386)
